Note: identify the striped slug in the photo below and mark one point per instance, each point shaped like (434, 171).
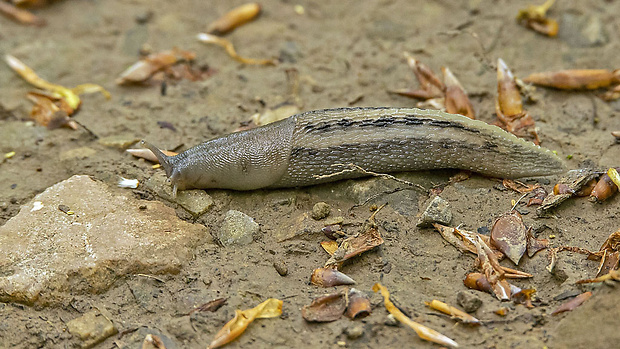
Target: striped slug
(295, 151)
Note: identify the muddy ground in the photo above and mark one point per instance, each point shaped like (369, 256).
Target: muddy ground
(347, 53)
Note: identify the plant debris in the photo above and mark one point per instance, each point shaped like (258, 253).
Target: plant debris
(170, 65)
(234, 18)
(455, 313)
(234, 328)
(535, 18)
(147, 154)
(211, 306)
(230, 49)
(328, 277)
(326, 308)
(509, 235)
(509, 107)
(359, 304)
(55, 103)
(20, 15)
(575, 180)
(423, 332)
(573, 303)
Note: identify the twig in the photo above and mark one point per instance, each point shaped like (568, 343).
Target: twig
(355, 168)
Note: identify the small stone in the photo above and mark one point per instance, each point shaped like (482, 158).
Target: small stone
(197, 202)
(468, 301)
(320, 210)
(354, 332)
(390, 320)
(280, 267)
(237, 229)
(437, 211)
(91, 328)
(3, 205)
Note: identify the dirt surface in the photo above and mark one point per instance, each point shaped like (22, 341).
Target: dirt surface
(347, 54)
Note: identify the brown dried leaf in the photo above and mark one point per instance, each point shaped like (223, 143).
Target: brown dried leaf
(509, 236)
(234, 18)
(492, 270)
(456, 101)
(575, 180)
(359, 304)
(519, 186)
(211, 306)
(230, 49)
(573, 303)
(326, 308)
(328, 277)
(524, 297)
(535, 17)
(234, 328)
(538, 196)
(534, 245)
(143, 69)
(453, 312)
(152, 341)
(19, 15)
(477, 281)
(577, 79)
(612, 275)
(422, 331)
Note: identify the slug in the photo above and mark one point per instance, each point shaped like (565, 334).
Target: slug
(299, 150)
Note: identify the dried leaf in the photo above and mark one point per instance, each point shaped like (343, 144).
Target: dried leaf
(234, 328)
(519, 186)
(612, 95)
(492, 271)
(359, 304)
(330, 246)
(509, 236)
(422, 331)
(211, 306)
(534, 245)
(19, 15)
(575, 180)
(612, 275)
(234, 18)
(430, 85)
(460, 238)
(326, 308)
(535, 17)
(524, 297)
(604, 189)
(46, 112)
(578, 79)
(614, 176)
(538, 196)
(453, 312)
(456, 101)
(477, 281)
(573, 303)
(328, 277)
(69, 95)
(143, 69)
(230, 49)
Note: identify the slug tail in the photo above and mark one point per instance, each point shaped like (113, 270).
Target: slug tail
(164, 159)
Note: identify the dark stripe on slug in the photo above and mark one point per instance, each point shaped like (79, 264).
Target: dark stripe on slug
(383, 121)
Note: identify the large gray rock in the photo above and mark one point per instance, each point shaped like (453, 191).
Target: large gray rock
(97, 235)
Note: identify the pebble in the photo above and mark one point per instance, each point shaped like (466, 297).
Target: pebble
(237, 229)
(438, 211)
(469, 301)
(354, 332)
(321, 210)
(390, 320)
(91, 328)
(280, 267)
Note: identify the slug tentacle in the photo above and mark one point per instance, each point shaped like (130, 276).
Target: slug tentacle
(164, 160)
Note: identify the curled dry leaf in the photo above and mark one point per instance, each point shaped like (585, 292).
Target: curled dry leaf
(234, 18)
(493, 271)
(276, 114)
(608, 254)
(538, 196)
(453, 312)
(230, 49)
(143, 69)
(48, 112)
(524, 297)
(575, 79)
(612, 275)
(604, 188)
(509, 107)
(534, 245)
(234, 328)
(460, 238)
(573, 303)
(509, 236)
(423, 332)
(211, 306)
(519, 186)
(535, 17)
(430, 85)
(612, 94)
(356, 245)
(359, 304)
(456, 101)
(147, 154)
(326, 308)
(328, 277)
(19, 15)
(330, 246)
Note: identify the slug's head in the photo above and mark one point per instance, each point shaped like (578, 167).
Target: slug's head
(169, 164)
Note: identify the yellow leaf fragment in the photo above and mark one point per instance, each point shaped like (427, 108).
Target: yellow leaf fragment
(615, 177)
(230, 49)
(422, 331)
(452, 311)
(68, 94)
(330, 246)
(234, 328)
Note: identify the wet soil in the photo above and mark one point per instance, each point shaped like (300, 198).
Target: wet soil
(347, 53)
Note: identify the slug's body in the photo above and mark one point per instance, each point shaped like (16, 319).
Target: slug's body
(295, 151)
